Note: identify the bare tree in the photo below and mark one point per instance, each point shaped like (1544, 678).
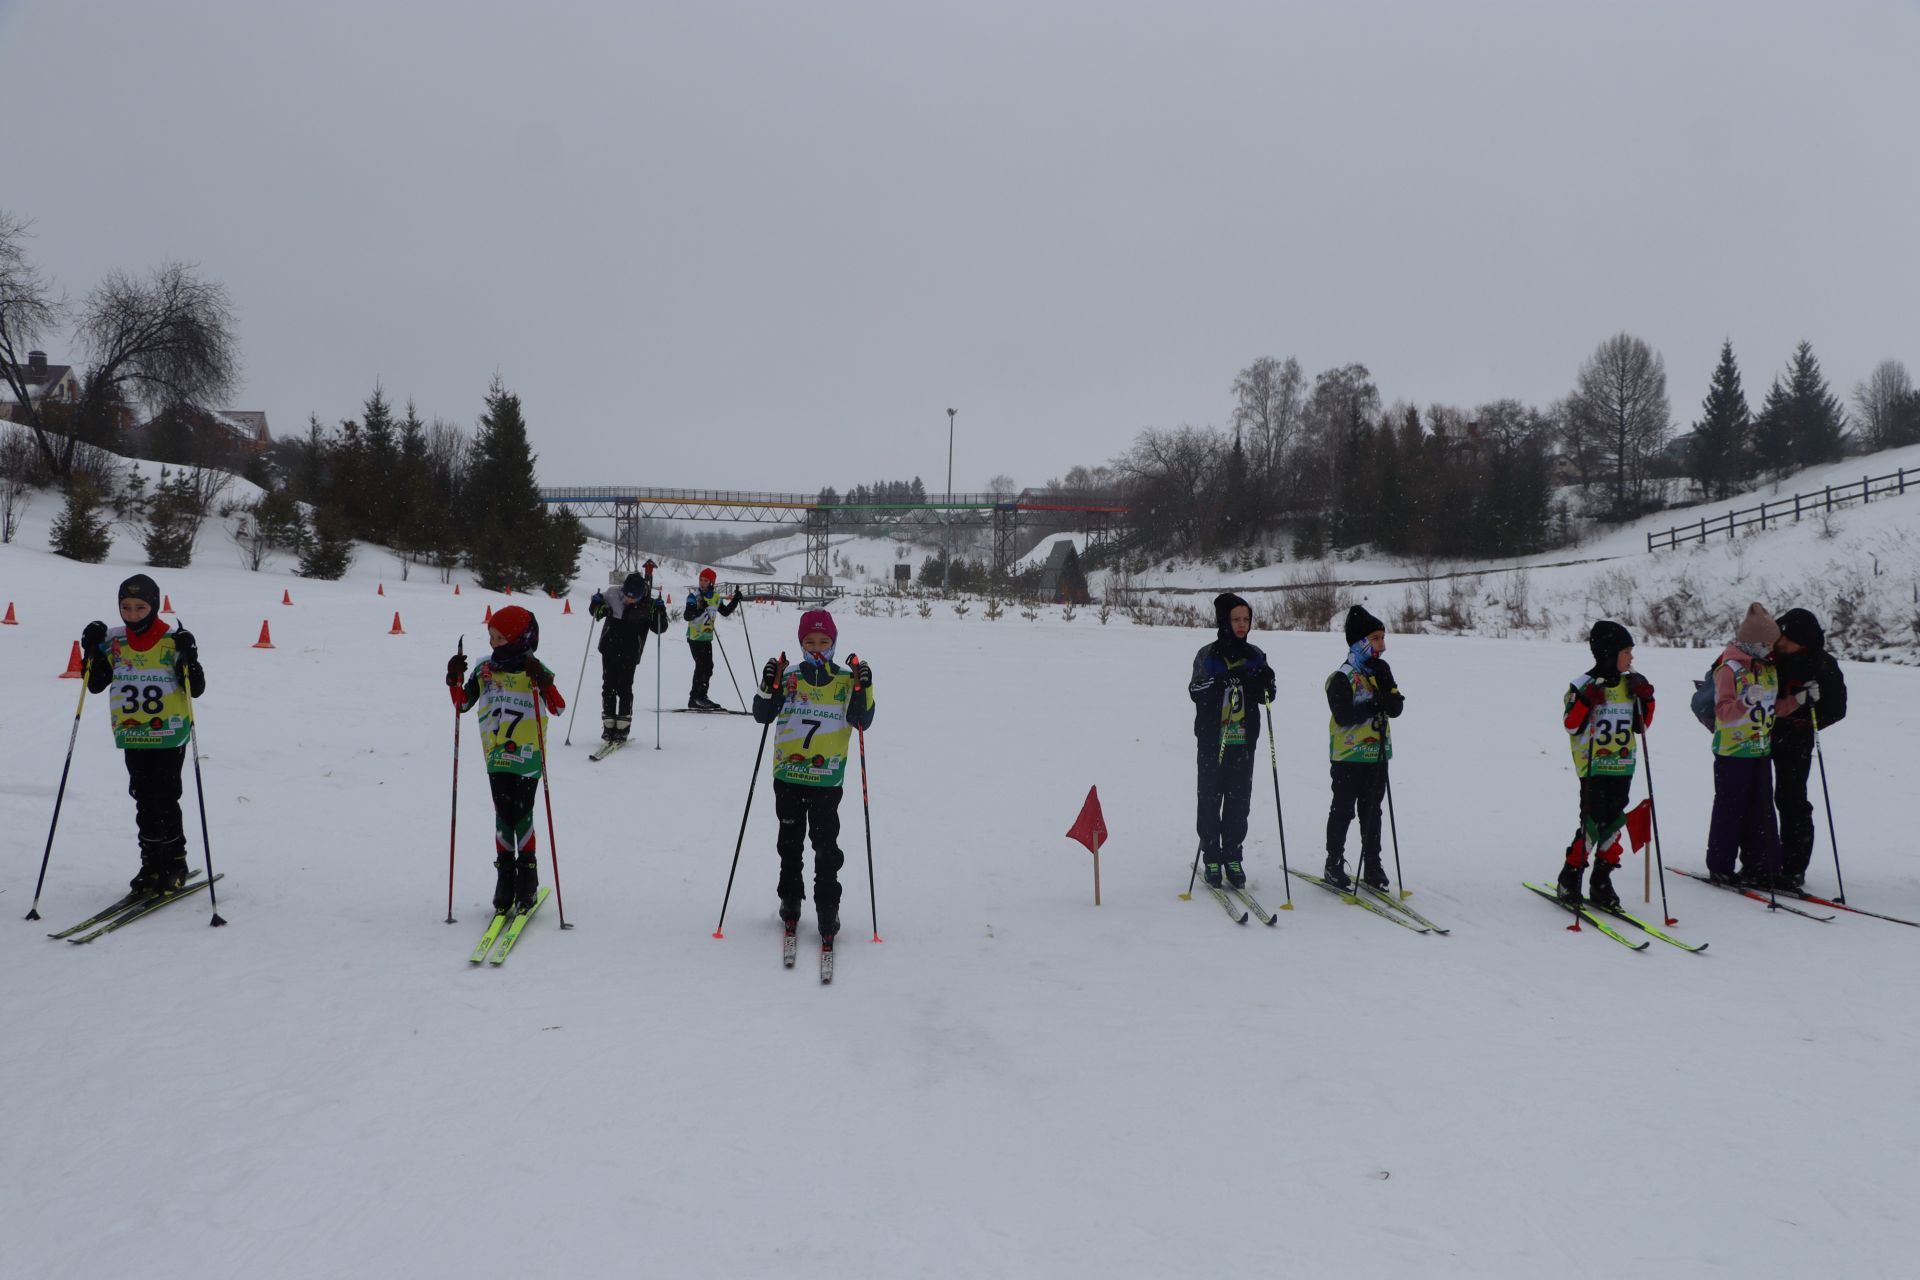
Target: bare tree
(1002, 487)
(1269, 400)
(1619, 409)
(1882, 399)
(16, 479)
(1343, 400)
(29, 309)
(161, 342)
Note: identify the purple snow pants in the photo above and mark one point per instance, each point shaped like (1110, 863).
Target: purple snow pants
(1743, 822)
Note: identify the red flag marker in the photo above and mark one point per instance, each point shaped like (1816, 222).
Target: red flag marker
(1090, 829)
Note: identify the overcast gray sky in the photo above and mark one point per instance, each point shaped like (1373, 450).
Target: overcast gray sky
(768, 245)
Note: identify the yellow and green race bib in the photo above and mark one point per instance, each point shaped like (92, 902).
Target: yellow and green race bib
(1750, 734)
(811, 738)
(148, 701)
(1604, 746)
(1360, 743)
(508, 727)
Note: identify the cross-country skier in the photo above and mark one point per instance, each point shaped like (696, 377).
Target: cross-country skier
(155, 674)
(1601, 712)
(814, 707)
(1746, 701)
(1803, 658)
(630, 613)
(503, 688)
(1361, 696)
(702, 604)
(1230, 680)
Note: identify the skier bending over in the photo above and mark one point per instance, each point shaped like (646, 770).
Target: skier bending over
(1228, 675)
(630, 614)
(155, 675)
(1362, 696)
(1602, 712)
(504, 688)
(814, 708)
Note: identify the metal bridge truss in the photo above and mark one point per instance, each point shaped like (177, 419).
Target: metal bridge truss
(626, 507)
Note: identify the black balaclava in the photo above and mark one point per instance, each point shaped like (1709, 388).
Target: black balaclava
(141, 587)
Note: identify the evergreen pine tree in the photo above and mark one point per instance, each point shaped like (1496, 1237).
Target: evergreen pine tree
(379, 477)
(1773, 431)
(1719, 451)
(507, 544)
(328, 550)
(169, 524)
(1819, 422)
(80, 532)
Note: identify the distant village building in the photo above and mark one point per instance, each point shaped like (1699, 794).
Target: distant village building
(46, 384)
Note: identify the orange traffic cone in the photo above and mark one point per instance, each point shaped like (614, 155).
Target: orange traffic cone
(489, 618)
(286, 597)
(456, 588)
(509, 588)
(566, 608)
(74, 670)
(9, 620)
(266, 639)
(397, 629)
(166, 604)
(380, 590)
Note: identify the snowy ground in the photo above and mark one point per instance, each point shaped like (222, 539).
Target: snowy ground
(1016, 1082)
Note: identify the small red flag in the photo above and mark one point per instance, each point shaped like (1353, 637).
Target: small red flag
(1090, 828)
(1640, 824)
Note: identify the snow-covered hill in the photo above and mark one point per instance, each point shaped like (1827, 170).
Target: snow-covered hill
(1016, 1083)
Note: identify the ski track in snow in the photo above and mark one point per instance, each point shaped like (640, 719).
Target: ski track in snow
(1015, 1082)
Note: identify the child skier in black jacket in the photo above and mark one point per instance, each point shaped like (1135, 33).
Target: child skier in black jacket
(1362, 696)
(1230, 680)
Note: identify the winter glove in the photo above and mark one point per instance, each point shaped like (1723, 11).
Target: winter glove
(1214, 666)
(1809, 693)
(770, 675)
(457, 670)
(1264, 685)
(1594, 694)
(550, 694)
(93, 638)
(1361, 655)
(186, 649)
(597, 607)
(863, 675)
(736, 596)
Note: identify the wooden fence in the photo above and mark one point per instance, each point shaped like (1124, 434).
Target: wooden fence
(1783, 510)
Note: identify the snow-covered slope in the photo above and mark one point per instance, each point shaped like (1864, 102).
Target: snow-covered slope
(1015, 1083)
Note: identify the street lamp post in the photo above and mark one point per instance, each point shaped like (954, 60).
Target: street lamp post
(950, 414)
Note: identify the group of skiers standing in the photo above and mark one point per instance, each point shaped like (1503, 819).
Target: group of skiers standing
(1771, 689)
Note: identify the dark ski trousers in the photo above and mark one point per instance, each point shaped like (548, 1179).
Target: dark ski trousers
(153, 780)
(616, 683)
(702, 666)
(809, 813)
(513, 804)
(1358, 788)
(1226, 790)
(1792, 763)
(1743, 821)
(1603, 811)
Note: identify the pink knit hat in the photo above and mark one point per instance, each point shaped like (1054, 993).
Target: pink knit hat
(818, 620)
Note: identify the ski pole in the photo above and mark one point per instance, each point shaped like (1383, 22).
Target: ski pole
(720, 928)
(1827, 800)
(546, 791)
(453, 827)
(1653, 812)
(200, 793)
(33, 912)
(659, 659)
(581, 682)
(1273, 758)
(748, 633)
(1386, 781)
(866, 813)
(729, 661)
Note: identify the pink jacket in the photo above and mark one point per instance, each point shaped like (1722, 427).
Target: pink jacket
(1726, 702)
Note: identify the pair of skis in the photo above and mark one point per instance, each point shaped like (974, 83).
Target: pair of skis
(504, 932)
(1238, 903)
(1748, 891)
(790, 951)
(132, 907)
(1386, 905)
(606, 749)
(1598, 916)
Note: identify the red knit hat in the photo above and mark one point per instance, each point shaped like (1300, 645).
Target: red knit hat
(708, 575)
(512, 623)
(818, 620)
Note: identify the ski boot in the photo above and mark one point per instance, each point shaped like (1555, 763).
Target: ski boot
(1601, 891)
(693, 702)
(526, 881)
(1372, 873)
(789, 910)
(1211, 873)
(622, 726)
(1728, 878)
(608, 728)
(1335, 872)
(708, 704)
(829, 923)
(1236, 875)
(503, 883)
(1759, 878)
(1569, 884)
(1796, 881)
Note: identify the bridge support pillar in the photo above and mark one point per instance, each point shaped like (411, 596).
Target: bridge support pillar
(819, 548)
